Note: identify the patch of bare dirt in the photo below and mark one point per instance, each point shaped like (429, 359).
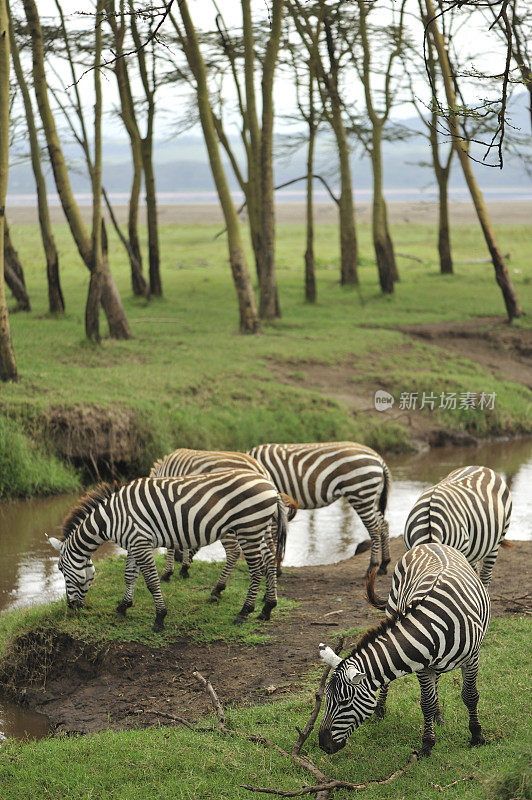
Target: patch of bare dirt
(491, 342)
(131, 685)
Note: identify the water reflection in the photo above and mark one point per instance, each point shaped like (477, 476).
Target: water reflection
(20, 723)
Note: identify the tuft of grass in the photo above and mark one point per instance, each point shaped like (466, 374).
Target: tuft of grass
(25, 470)
(185, 764)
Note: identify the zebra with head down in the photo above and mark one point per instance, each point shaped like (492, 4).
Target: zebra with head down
(185, 512)
(438, 613)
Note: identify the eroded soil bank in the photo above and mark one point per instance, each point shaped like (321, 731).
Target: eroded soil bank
(131, 685)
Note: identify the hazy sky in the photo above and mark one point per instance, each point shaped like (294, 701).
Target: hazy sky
(171, 102)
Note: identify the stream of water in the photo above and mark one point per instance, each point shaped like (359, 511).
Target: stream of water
(28, 564)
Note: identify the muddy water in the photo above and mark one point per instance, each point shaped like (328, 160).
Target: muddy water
(28, 565)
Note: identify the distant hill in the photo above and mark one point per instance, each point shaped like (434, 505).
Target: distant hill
(182, 169)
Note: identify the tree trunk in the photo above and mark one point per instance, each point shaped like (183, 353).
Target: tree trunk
(444, 238)
(348, 235)
(56, 303)
(310, 272)
(249, 321)
(92, 307)
(14, 273)
(8, 365)
(110, 298)
(138, 284)
(502, 277)
(151, 214)
(382, 241)
(269, 295)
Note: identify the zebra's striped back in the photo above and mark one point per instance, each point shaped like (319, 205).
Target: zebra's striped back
(316, 475)
(469, 510)
(195, 462)
(438, 614)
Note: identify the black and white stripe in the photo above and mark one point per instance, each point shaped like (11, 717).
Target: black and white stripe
(187, 513)
(316, 475)
(199, 462)
(469, 510)
(438, 613)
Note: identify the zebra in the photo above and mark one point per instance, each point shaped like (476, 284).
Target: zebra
(195, 462)
(468, 510)
(438, 614)
(316, 475)
(186, 512)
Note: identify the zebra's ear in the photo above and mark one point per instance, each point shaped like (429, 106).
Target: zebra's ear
(329, 656)
(354, 676)
(55, 542)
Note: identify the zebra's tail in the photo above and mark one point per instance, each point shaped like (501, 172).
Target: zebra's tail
(505, 543)
(290, 504)
(371, 596)
(383, 499)
(282, 529)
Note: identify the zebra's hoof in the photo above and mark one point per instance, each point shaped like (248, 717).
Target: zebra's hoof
(183, 572)
(425, 751)
(476, 741)
(122, 608)
(238, 620)
(383, 569)
(378, 713)
(215, 596)
(166, 576)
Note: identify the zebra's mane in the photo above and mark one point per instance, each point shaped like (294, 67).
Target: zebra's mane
(378, 630)
(86, 505)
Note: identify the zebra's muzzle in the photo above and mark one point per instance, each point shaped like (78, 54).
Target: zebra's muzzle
(328, 744)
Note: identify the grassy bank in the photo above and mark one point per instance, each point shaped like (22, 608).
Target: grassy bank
(192, 381)
(180, 763)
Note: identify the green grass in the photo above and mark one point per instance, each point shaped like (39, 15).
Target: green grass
(189, 613)
(194, 381)
(184, 765)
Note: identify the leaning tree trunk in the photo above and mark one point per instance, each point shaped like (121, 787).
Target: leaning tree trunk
(249, 320)
(8, 365)
(138, 284)
(56, 303)
(502, 276)
(14, 273)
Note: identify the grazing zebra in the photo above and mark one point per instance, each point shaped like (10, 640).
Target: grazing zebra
(438, 614)
(468, 510)
(185, 512)
(316, 475)
(196, 462)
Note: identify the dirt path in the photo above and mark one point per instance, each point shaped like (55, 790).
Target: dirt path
(131, 685)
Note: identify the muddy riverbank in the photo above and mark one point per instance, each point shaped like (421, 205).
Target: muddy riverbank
(127, 685)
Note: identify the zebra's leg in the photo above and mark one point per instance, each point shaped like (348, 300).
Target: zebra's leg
(251, 547)
(381, 702)
(131, 575)
(232, 552)
(470, 698)
(373, 520)
(143, 555)
(385, 546)
(186, 561)
(429, 707)
(487, 566)
(438, 719)
(268, 561)
(169, 565)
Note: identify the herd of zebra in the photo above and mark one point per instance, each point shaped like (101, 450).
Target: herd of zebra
(438, 608)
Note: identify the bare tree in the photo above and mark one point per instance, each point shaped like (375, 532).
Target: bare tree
(315, 23)
(249, 321)
(8, 366)
(461, 146)
(110, 298)
(56, 303)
